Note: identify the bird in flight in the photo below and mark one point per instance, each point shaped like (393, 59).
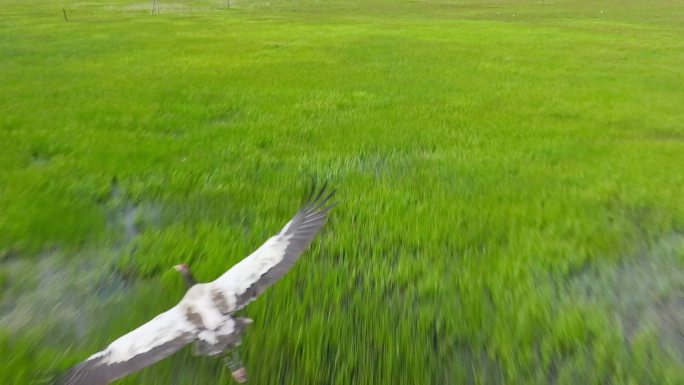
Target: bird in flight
(206, 314)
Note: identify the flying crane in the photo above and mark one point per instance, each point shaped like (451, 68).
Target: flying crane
(205, 315)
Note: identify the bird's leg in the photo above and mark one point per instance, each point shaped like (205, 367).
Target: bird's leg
(234, 364)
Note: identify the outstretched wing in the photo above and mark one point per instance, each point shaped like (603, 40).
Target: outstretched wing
(164, 335)
(250, 277)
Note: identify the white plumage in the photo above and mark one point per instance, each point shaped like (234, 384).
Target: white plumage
(167, 326)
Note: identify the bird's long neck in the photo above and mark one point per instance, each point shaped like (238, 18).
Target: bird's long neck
(190, 281)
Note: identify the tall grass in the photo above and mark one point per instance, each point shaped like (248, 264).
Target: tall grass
(500, 166)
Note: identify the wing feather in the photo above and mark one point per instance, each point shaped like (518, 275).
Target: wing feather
(250, 277)
(159, 338)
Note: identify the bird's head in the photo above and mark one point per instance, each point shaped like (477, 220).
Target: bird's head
(181, 268)
(187, 275)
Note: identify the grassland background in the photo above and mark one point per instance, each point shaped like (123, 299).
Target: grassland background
(510, 176)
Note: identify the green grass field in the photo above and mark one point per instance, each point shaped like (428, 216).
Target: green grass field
(510, 178)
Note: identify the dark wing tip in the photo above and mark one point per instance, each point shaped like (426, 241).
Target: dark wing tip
(50, 377)
(87, 372)
(317, 201)
(313, 215)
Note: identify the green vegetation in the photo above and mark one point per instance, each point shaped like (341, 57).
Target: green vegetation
(510, 178)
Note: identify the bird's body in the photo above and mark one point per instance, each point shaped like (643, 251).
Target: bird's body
(205, 315)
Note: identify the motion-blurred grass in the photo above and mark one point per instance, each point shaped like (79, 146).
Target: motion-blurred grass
(510, 177)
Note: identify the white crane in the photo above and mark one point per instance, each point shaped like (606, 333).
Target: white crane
(205, 314)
